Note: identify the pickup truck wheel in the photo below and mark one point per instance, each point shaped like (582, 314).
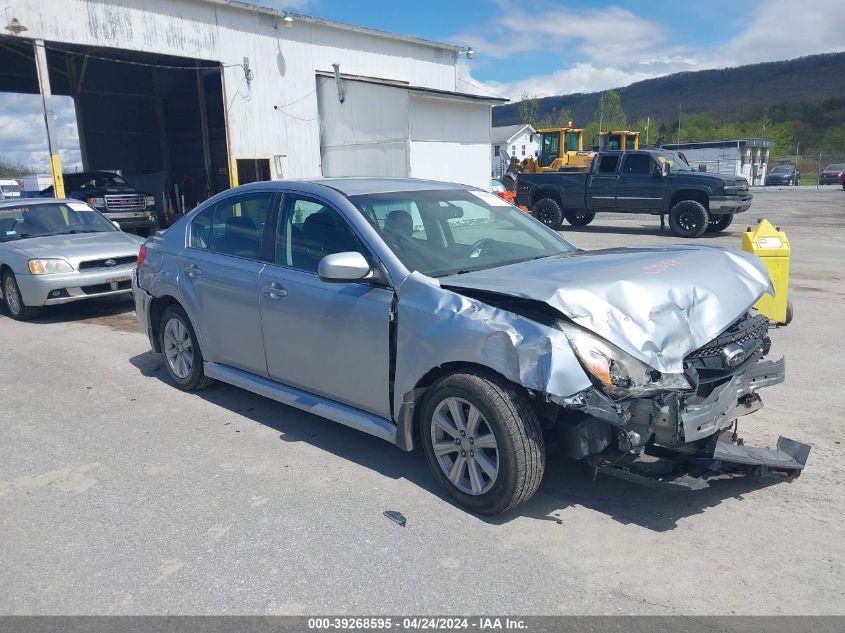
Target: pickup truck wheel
(719, 222)
(18, 310)
(580, 218)
(548, 212)
(482, 441)
(181, 351)
(688, 218)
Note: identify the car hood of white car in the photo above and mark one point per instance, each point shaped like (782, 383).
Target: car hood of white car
(78, 247)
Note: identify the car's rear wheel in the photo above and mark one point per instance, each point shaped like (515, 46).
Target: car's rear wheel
(688, 218)
(180, 350)
(548, 211)
(719, 222)
(580, 218)
(14, 301)
(482, 441)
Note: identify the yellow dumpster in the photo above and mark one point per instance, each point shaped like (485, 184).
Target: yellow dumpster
(771, 245)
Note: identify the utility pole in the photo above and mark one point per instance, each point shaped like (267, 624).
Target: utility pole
(680, 107)
(647, 125)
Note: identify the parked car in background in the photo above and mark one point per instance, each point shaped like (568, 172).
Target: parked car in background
(57, 251)
(118, 200)
(832, 174)
(9, 189)
(644, 181)
(436, 314)
(783, 175)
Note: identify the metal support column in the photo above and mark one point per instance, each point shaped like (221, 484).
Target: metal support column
(206, 145)
(47, 102)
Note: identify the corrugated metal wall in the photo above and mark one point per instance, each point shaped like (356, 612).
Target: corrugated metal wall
(276, 113)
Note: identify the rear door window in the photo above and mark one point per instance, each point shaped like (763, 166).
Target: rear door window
(608, 163)
(234, 226)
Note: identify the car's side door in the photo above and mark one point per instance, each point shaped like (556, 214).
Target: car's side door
(640, 186)
(219, 277)
(602, 183)
(328, 338)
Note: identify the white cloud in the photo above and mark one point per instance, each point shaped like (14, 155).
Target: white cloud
(23, 136)
(618, 48)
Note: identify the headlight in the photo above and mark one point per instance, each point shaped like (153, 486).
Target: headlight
(150, 201)
(97, 203)
(49, 266)
(619, 373)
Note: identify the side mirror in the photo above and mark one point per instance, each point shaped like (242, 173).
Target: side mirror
(117, 224)
(664, 169)
(349, 266)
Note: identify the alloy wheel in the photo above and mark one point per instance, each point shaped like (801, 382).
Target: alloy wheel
(178, 348)
(464, 446)
(688, 220)
(13, 297)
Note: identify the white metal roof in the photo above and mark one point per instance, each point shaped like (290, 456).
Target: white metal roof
(506, 133)
(238, 4)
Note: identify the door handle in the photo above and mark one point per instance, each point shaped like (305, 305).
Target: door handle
(192, 270)
(275, 291)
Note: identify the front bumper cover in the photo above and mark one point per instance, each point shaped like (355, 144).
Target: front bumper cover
(720, 205)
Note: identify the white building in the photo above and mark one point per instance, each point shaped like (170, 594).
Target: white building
(511, 140)
(205, 94)
(748, 157)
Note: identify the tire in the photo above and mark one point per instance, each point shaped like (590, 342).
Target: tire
(509, 181)
(580, 218)
(514, 448)
(176, 335)
(719, 223)
(688, 218)
(15, 306)
(790, 313)
(548, 212)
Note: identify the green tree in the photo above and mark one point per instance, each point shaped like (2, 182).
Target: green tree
(529, 109)
(558, 117)
(610, 114)
(11, 169)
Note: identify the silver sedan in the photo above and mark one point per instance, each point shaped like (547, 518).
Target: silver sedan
(56, 251)
(437, 315)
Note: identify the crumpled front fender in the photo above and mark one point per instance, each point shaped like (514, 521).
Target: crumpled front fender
(437, 326)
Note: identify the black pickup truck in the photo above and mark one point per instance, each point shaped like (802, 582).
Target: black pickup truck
(642, 181)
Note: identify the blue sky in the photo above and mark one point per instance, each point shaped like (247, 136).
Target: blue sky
(536, 47)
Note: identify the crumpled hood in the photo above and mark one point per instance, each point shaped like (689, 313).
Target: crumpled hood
(658, 304)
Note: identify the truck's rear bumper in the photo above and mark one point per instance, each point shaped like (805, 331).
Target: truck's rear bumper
(719, 205)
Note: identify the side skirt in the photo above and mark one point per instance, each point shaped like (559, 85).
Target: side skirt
(325, 408)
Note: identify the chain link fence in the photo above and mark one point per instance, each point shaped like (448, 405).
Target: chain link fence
(811, 165)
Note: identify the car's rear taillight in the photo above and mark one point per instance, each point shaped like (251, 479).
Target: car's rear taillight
(142, 255)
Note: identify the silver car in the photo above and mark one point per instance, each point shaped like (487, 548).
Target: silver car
(56, 251)
(439, 315)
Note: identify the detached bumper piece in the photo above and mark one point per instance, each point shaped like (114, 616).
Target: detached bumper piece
(729, 460)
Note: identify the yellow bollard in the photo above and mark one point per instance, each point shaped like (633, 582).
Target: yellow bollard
(771, 245)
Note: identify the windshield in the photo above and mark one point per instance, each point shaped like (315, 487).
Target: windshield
(675, 162)
(59, 218)
(782, 170)
(10, 189)
(549, 148)
(836, 167)
(102, 180)
(570, 141)
(453, 231)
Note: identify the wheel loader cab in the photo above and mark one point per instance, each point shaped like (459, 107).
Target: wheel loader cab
(617, 140)
(559, 148)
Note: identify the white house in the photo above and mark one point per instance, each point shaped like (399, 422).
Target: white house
(511, 140)
(206, 94)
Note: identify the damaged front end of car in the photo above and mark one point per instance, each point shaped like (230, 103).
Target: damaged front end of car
(671, 357)
(675, 429)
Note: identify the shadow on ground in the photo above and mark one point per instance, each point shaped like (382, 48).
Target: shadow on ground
(636, 230)
(117, 312)
(566, 483)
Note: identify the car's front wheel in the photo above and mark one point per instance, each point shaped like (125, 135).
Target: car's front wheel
(14, 301)
(719, 222)
(688, 218)
(482, 441)
(180, 350)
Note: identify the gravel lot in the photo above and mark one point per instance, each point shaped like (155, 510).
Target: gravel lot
(121, 495)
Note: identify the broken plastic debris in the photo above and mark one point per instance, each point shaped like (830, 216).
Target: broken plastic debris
(396, 517)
